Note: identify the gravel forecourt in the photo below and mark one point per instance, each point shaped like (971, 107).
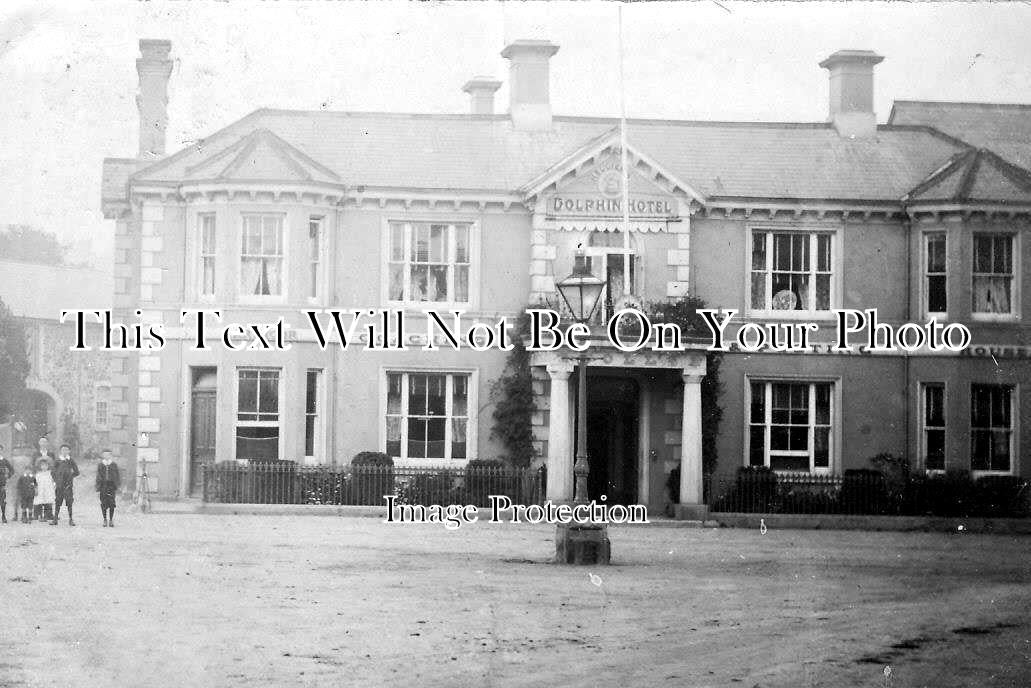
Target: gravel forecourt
(209, 600)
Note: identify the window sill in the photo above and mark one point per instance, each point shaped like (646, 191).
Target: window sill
(1001, 318)
(812, 316)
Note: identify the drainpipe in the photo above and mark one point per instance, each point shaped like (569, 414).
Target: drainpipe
(907, 224)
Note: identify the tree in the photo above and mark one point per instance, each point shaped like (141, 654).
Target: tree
(14, 362)
(32, 245)
(512, 394)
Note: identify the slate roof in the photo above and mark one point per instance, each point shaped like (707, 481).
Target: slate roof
(485, 153)
(975, 175)
(35, 290)
(1004, 128)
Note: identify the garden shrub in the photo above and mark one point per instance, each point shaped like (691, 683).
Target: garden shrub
(428, 488)
(1000, 496)
(864, 491)
(372, 477)
(484, 477)
(755, 489)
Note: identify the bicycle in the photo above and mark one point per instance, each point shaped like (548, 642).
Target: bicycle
(141, 497)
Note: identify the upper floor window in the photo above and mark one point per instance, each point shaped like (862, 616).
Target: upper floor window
(935, 294)
(790, 426)
(261, 256)
(207, 254)
(609, 259)
(993, 274)
(314, 255)
(791, 271)
(933, 417)
(429, 262)
(427, 415)
(991, 428)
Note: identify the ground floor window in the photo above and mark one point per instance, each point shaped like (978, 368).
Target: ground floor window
(991, 428)
(257, 413)
(790, 425)
(427, 415)
(312, 414)
(933, 414)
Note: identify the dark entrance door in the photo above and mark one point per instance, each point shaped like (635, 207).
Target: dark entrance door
(202, 425)
(612, 438)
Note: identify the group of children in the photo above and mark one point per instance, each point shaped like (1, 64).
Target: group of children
(47, 483)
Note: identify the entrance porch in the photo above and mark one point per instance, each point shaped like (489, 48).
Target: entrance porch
(644, 417)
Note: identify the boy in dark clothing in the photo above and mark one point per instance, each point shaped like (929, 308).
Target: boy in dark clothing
(26, 493)
(64, 471)
(108, 481)
(6, 471)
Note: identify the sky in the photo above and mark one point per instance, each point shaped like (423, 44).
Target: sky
(68, 72)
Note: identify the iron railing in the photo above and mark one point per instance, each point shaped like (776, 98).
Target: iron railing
(870, 492)
(285, 482)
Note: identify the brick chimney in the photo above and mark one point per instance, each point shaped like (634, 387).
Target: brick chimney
(154, 68)
(481, 94)
(851, 92)
(528, 83)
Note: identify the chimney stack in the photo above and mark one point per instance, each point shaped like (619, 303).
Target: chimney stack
(481, 94)
(154, 68)
(530, 106)
(851, 92)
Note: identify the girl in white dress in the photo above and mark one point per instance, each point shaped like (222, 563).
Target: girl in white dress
(43, 504)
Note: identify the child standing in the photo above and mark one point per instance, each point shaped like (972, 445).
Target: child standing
(108, 481)
(6, 471)
(26, 493)
(64, 472)
(43, 502)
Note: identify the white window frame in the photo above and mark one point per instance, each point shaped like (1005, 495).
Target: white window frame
(605, 253)
(474, 262)
(472, 414)
(1013, 429)
(923, 387)
(836, 276)
(249, 298)
(279, 422)
(316, 259)
(205, 255)
(318, 441)
(833, 440)
(1015, 271)
(926, 274)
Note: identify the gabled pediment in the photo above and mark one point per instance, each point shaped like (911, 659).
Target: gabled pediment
(583, 168)
(261, 156)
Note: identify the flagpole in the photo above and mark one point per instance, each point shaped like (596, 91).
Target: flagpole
(623, 163)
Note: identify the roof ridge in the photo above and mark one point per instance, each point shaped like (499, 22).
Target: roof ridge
(966, 103)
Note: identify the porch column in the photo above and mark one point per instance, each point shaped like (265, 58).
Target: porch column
(560, 448)
(691, 506)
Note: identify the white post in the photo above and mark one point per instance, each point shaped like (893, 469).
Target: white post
(560, 449)
(691, 441)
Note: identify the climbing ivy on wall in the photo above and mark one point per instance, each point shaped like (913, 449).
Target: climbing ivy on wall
(684, 313)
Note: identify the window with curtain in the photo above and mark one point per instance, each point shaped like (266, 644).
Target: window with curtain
(257, 413)
(933, 399)
(429, 262)
(991, 427)
(312, 413)
(790, 426)
(314, 255)
(791, 271)
(427, 415)
(935, 294)
(993, 274)
(261, 257)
